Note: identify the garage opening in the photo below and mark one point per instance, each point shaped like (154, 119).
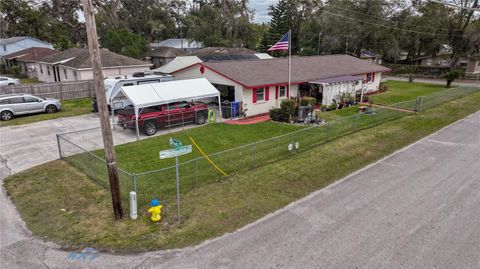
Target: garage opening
(227, 92)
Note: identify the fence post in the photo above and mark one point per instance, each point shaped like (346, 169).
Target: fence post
(135, 177)
(61, 91)
(59, 148)
(254, 153)
(196, 169)
(355, 122)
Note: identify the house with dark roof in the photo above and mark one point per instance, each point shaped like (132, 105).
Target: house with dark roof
(160, 56)
(261, 85)
(26, 60)
(74, 64)
(18, 43)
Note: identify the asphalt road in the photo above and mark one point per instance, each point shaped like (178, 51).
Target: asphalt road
(417, 208)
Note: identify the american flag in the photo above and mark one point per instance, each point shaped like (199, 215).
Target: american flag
(282, 44)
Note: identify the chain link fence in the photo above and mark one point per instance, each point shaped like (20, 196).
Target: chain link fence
(161, 183)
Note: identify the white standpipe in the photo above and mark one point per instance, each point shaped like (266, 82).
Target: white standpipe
(133, 205)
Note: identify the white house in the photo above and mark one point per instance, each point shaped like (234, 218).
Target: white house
(25, 59)
(261, 85)
(74, 64)
(18, 43)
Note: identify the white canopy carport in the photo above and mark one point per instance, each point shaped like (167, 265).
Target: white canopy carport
(148, 95)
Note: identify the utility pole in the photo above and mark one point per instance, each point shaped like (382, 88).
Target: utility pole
(102, 108)
(319, 37)
(346, 45)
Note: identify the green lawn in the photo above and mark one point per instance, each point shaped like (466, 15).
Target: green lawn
(400, 91)
(61, 204)
(69, 108)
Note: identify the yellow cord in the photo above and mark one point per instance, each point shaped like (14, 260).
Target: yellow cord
(205, 156)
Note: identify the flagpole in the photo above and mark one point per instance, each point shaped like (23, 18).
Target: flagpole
(290, 58)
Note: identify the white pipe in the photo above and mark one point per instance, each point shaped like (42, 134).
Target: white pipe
(220, 107)
(136, 122)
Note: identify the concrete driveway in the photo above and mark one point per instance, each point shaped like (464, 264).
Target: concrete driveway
(417, 208)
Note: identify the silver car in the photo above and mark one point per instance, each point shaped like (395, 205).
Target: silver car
(12, 105)
(6, 81)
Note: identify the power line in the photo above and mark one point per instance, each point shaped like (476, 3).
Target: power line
(391, 27)
(380, 18)
(455, 6)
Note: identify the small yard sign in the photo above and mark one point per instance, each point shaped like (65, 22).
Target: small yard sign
(178, 149)
(170, 153)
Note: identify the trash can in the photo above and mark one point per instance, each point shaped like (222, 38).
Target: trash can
(236, 109)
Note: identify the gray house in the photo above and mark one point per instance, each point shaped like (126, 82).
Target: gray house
(18, 43)
(179, 43)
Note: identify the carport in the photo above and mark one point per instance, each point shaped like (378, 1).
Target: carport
(148, 95)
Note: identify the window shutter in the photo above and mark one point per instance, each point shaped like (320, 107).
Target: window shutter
(267, 93)
(288, 90)
(254, 96)
(276, 92)
(373, 77)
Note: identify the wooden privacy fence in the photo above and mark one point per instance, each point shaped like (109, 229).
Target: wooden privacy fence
(57, 90)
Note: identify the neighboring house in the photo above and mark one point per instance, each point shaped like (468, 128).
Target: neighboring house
(18, 43)
(179, 43)
(218, 54)
(261, 85)
(473, 66)
(442, 60)
(74, 64)
(160, 56)
(371, 57)
(26, 60)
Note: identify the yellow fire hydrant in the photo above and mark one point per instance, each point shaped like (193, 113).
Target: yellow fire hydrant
(155, 210)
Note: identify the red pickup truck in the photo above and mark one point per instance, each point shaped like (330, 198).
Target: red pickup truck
(152, 118)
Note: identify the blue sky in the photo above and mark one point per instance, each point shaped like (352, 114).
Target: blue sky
(261, 9)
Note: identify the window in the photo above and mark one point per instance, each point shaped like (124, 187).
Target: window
(26, 69)
(260, 93)
(140, 82)
(370, 77)
(48, 70)
(127, 84)
(65, 73)
(4, 48)
(4, 102)
(75, 75)
(30, 99)
(41, 68)
(16, 100)
(282, 91)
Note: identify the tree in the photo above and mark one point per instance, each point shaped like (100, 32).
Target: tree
(126, 43)
(221, 23)
(451, 76)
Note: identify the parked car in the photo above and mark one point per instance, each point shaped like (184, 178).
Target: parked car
(12, 105)
(152, 118)
(113, 86)
(6, 81)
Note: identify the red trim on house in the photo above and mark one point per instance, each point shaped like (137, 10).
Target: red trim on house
(254, 96)
(213, 70)
(276, 92)
(288, 91)
(267, 93)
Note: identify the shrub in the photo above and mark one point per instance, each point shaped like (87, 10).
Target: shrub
(276, 114)
(308, 101)
(288, 108)
(16, 70)
(383, 87)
